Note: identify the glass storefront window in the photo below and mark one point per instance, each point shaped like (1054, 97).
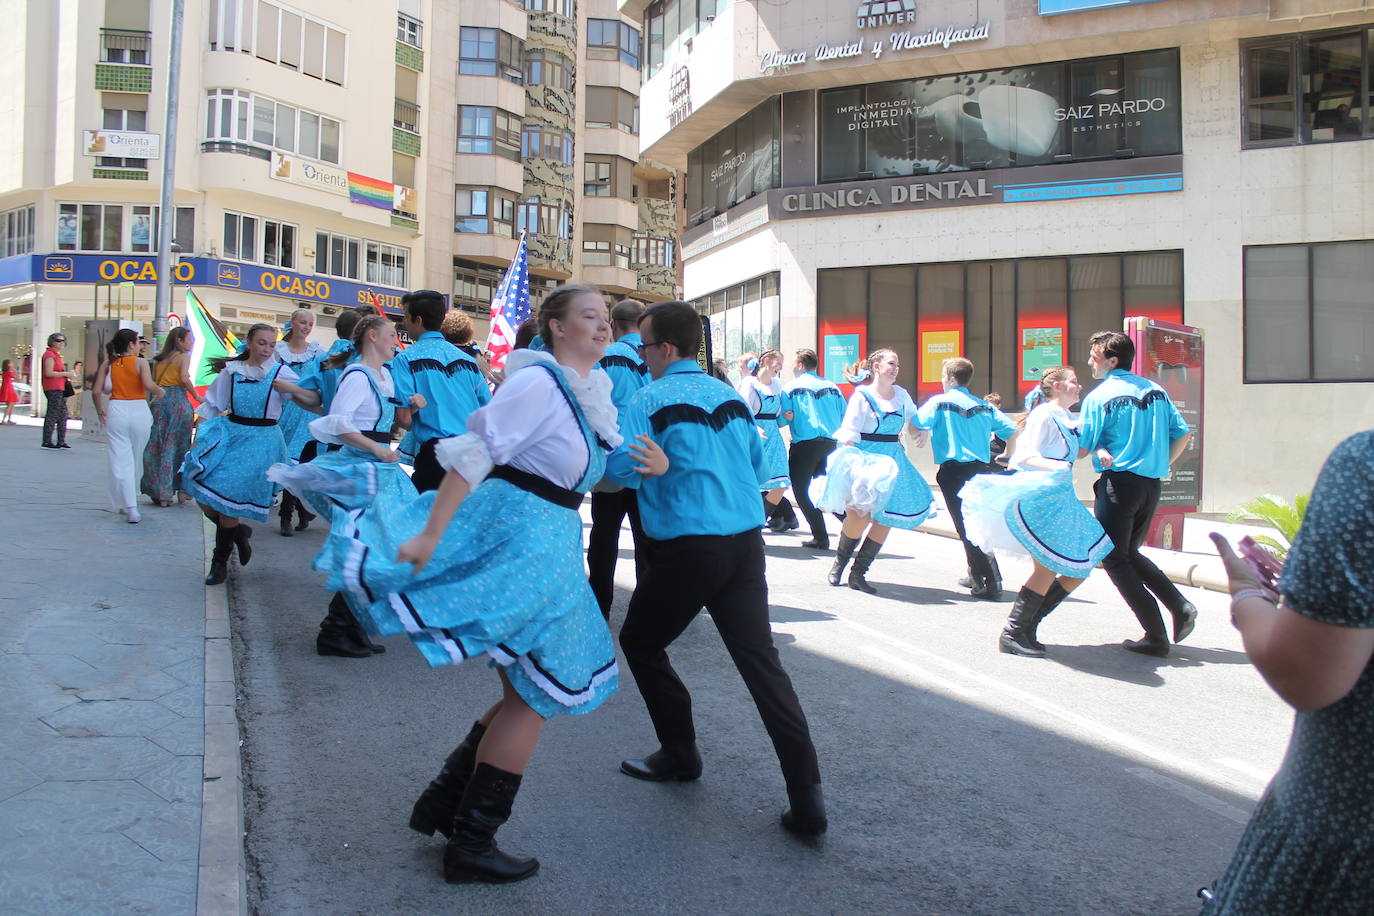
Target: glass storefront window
(736, 164)
(744, 319)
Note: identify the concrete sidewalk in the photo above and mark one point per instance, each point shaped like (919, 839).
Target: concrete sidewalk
(119, 785)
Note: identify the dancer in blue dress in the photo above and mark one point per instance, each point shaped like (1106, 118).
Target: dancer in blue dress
(491, 564)
(301, 355)
(875, 495)
(315, 377)
(772, 410)
(1034, 512)
(226, 469)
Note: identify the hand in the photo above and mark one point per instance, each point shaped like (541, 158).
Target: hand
(653, 460)
(417, 401)
(283, 386)
(1105, 458)
(384, 454)
(920, 437)
(1240, 573)
(417, 551)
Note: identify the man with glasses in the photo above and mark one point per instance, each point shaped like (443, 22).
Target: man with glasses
(56, 378)
(702, 521)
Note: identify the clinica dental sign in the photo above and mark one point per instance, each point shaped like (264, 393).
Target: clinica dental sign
(896, 42)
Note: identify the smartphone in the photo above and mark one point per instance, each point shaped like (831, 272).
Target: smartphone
(1265, 565)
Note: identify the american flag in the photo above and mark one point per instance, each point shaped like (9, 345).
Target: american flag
(510, 308)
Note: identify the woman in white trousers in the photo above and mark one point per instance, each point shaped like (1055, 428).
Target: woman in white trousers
(121, 393)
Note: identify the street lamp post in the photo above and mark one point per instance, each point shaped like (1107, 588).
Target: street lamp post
(166, 216)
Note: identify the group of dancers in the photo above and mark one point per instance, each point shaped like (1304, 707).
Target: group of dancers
(479, 552)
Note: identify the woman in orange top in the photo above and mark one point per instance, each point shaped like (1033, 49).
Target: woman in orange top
(124, 413)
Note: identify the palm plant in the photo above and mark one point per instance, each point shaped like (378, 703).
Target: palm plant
(1283, 517)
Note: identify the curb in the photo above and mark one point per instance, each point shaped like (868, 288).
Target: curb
(222, 877)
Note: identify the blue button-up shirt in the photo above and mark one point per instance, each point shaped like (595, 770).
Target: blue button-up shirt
(714, 452)
(626, 370)
(961, 426)
(1133, 419)
(449, 380)
(817, 407)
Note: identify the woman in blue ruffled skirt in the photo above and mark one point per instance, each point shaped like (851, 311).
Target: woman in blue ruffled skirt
(1036, 513)
(772, 410)
(302, 356)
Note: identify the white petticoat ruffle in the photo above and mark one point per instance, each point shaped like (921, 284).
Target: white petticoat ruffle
(854, 480)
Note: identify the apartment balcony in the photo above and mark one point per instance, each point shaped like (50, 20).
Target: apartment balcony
(406, 116)
(608, 210)
(124, 61)
(410, 57)
(610, 279)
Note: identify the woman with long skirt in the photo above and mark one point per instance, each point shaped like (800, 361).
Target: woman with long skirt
(1035, 513)
(225, 471)
(301, 355)
(173, 419)
(491, 564)
(124, 414)
(772, 410)
(869, 477)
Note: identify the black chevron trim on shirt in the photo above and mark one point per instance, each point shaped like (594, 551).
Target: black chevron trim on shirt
(1122, 401)
(623, 362)
(965, 412)
(717, 419)
(818, 393)
(450, 369)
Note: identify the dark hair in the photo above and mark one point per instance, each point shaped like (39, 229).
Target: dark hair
(218, 363)
(958, 368)
(766, 355)
(626, 312)
(556, 306)
(348, 320)
(427, 306)
(525, 333)
(993, 398)
(56, 336)
(5, 366)
(364, 324)
(457, 328)
(120, 342)
(1114, 343)
(169, 346)
(807, 357)
(676, 323)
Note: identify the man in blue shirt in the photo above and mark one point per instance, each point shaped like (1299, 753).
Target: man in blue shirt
(1134, 433)
(961, 432)
(628, 374)
(817, 411)
(449, 379)
(702, 519)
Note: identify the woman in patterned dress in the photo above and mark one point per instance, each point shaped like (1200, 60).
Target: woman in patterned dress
(173, 418)
(1035, 512)
(772, 411)
(301, 355)
(1309, 847)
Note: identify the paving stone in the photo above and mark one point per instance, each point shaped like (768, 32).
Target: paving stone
(15, 778)
(191, 671)
(184, 737)
(137, 659)
(69, 671)
(93, 875)
(177, 780)
(67, 809)
(186, 701)
(111, 718)
(97, 758)
(173, 835)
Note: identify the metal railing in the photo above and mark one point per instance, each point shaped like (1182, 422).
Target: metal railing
(406, 116)
(125, 46)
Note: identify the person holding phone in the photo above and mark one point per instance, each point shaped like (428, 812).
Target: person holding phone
(1309, 848)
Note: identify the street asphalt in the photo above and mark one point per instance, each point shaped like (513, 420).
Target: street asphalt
(959, 780)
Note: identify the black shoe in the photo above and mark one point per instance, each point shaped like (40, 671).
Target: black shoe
(1015, 638)
(338, 642)
(862, 561)
(843, 551)
(63, 445)
(777, 525)
(285, 520)
(817, 543)
(806, 816)
(681, 762)
(219, 558)
(1159, 648)
(303, 516)
(46, 445)
(242, 533)
(472, 854)
(1184, 621)
(435, 807)
(987, 589)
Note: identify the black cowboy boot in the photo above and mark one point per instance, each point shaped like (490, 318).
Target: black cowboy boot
(336, 638)
(472, 853)
(862, 561)
(843, 551)
(1051, 601)
(806, 814)
(284, 514)
(786, 515)
(435, 807)
(219, 559)
(989, 588)
(242, 533)
(303, 516)
(1013, 640)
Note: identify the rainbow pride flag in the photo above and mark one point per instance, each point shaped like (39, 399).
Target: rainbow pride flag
(371, 192)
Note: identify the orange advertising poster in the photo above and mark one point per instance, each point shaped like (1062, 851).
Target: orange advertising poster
(936, 347)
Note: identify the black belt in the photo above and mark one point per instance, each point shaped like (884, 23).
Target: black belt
(539, 486)
(765, 416)
(374, 435)
(250, 421)
(880, 437)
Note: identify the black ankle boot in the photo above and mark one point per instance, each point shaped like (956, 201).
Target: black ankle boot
(435, 808)
(472, 853)
(241, 535)
(1051, 601)
(284, 514)
(340, 635)
(1013, 640)
(843, 551)
(787, 515)
(989, 588)
(862, 561)
(303, 516)
(806, 813)
(219, 559)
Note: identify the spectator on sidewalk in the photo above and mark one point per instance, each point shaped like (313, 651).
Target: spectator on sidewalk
(57, 378)
(78, 385)
(125, 416)
(8, 396)
(172, 420)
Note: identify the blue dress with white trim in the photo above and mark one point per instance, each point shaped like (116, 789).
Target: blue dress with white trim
(295, 418)
(854, 478)
(1035, 512)
(506, 580)
(768, 418)
(226, 467)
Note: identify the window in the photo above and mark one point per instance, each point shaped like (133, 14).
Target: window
(234, 115)
(1311, 88)
(279, 36)
(565, 8)
(386, 264)
(607, 107)
(609, 39)
(408, 30)
(653, 252)
(1307, 312)
(124, 46)
(538, 217)
(121, 119)
(484, 211)
(279, 244)
(485, 130)
(490, 52)
(548, 68)
(16, 231)
(669, 23)
(736, 164)
(336, 255)
(607, 176)
(117, 227)
(240, 237)
(745, 317)
(542, 141)
(606, 246)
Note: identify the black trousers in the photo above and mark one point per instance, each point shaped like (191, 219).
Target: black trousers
(429, 473)
(1125, 505)
(951, 479)
(805, 462)
(724, 573)
(55, 419)
(603, 543)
